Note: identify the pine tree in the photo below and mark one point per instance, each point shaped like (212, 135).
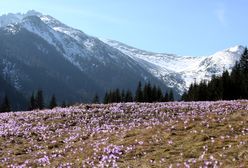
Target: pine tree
(123, 95)
(95, 99)
(139, 93)
(184, 96)
(244, 61)
(202, 91)
(5, 106)
(106, 98)
(53, 102)
(147, 92)
(128, 96)
(166, 97)
(32, 104)
(171, 95)
(40, 100)
(159, 95)
(117, 97)
(226, 82)
(154, 96)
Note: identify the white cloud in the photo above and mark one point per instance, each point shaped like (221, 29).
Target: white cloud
(221, 16)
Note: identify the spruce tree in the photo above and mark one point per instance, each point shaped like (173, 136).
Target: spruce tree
(166, 97)
(95, 99)
(202, 91)
(226, 82)
(154, 96)
(244, 61)
(139, 93)
(40, 100)
(123, 94)
(106, 98)
(171, 95)
(32, 104)
(128, 96)
(53, 102)
(117, 96)
(159, 95)
(5, 106)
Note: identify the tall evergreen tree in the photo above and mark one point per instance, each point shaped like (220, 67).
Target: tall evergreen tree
(32, 103)
(202, 91)
(5, 106)
(147, 92)
(123, 94)
(53, 102)
(226, 82)
(154, 95)
(106, 98)
(244, 61)
(139, 93)
(117, 96)
(171, 95)
(226, 87)
(40, 100)
(95, 99)
(159, 95)
(166, 97)
(128, 96)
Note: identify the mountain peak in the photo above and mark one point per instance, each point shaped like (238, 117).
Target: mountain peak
(12, 18)
(235, 49)
(33, 13)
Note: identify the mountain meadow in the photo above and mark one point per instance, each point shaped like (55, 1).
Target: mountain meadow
(68, 99)
(174, 134)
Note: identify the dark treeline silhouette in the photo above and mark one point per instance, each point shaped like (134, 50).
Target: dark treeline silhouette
(229, 86)
(147, 93)
(5, 105)
(37, 101)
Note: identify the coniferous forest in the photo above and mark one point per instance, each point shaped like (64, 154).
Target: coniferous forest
(228, 86)
(147, 93)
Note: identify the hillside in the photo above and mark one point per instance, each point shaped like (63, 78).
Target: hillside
(177, 134)
(180, 71)
(38, 51)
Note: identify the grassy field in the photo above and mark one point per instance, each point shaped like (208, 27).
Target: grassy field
(177, 134)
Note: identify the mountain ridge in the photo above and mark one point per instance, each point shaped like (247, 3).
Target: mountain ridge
(111, 64)
(38, 45)
(186, 69)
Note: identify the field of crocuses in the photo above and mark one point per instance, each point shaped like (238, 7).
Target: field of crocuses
(176, 134)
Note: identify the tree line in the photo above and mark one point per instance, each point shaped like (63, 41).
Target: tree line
(228, 86)
(147, 93)
(36, 101)
(5, 105)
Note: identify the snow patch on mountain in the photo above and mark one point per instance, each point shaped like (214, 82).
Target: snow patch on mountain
(181, 71)
(81, 50)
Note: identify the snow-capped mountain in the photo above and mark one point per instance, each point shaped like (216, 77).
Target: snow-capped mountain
(181, 71)
(63, 58)
(68, 60)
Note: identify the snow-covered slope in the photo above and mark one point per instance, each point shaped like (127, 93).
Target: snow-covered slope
(99, 63)
(99, 57)
(181, 71)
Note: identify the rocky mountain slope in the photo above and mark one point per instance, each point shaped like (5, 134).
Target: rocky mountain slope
(38, 51)
(181, 71)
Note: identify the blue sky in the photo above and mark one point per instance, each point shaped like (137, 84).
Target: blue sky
(185, 27)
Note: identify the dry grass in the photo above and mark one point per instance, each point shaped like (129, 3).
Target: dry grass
(209, 140)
